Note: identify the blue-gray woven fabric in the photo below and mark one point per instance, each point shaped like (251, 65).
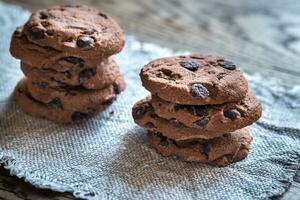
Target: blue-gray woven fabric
(108, 157)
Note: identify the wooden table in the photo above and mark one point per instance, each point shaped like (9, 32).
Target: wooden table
(262, 36)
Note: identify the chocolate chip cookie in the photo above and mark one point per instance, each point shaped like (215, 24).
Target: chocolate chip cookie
(103, 75)
(225, 117)
(46, 57)
(21, 48)
(194, 80)
(76, 98)
(53, 111)
(144, 115)
(221, 151)
(77, 30)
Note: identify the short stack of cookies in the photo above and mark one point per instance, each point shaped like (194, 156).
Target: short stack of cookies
(199, 109)
(66, 56)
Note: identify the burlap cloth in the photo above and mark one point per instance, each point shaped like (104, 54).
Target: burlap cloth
(108, 157)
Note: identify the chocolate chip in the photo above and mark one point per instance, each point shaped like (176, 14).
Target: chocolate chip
(103, 15)
(190, 65)
(178, 107)
(205, 150)
(55, 103)
(149, 125)
(140, 112)
(75, 60)
(198, 90)
(117, 88)
(85, 41)
(201, 111)
(201, 122)
(36, 34)
(77, 116)
(164, 141)
(227, 64)
(87, 73)
(68, 74)
(43, 15)
(174, 122)
(157, 134)
(232, 114)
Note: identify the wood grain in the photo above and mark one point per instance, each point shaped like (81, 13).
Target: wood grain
(262, 36)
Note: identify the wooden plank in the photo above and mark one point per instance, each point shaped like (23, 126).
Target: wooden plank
(262, 37)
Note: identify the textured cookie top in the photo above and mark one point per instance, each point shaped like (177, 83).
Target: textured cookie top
(75, 28)
(194, 80)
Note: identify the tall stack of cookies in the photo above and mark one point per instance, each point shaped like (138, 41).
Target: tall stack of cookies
(198, 110)
(66, 56)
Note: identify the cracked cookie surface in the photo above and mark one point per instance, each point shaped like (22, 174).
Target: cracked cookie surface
(194, 80)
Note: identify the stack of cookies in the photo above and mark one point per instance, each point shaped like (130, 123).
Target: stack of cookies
(65, 54)
(198, 110)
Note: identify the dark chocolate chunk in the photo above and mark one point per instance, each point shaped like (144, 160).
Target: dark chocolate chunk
(205, 150)
(174, 122)
(43, 15)
(198, 90)
(149, 125)
(164, 141)
(117, 88)
(103, 15)
(75, 60)
(178, 107)
(232, 114)
(140, 112)
(201, 122)
(55, 103)
(227, 64)
(190, 65)
(87, 73)
(77, 116)
(36, 34)
(85, 41)
(68, 74)
(201, 111)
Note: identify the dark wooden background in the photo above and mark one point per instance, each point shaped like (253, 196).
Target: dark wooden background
(262, 36)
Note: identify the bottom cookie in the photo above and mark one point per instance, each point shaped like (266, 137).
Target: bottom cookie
(229, 148)
(38, 109)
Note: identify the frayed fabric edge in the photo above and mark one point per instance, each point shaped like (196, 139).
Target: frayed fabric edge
(90, 193)
(38, 181)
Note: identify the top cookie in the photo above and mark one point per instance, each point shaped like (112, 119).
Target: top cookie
(75, 29)
(194, 80)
